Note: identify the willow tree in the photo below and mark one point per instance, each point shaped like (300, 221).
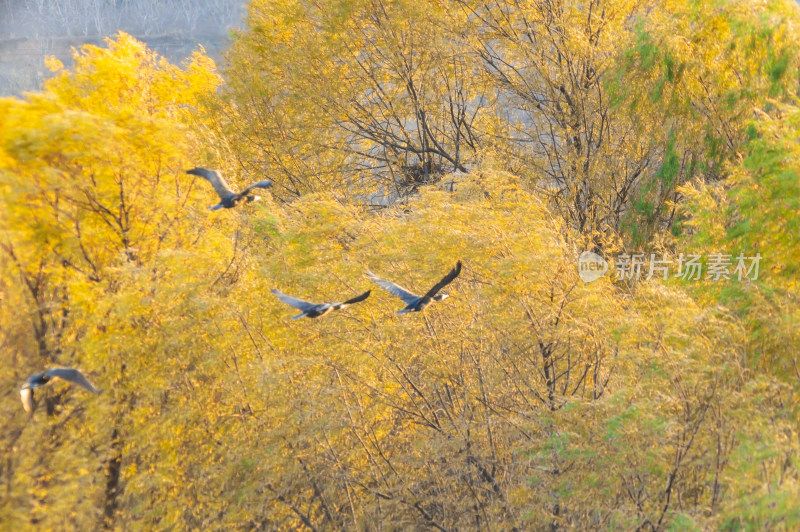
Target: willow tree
(691, 79)
(363, 96)
(755, 212)
(527, 400)
(93, 194)
(611, 105)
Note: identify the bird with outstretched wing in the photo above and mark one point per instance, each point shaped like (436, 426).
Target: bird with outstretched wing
(228, 198)
(40, 379)
(415, 303)
(315, 310)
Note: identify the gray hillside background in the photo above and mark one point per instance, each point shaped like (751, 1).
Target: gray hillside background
(30, 30)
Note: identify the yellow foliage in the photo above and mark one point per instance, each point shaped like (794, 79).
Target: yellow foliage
(527, 400)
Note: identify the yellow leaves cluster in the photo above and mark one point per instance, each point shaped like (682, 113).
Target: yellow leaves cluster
(528, 399)
(104, 229)
(127, 79)
(93, 157)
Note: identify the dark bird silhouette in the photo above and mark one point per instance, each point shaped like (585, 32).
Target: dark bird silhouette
(228, 198)
(315, 310)
(40, 379)
(415, 303)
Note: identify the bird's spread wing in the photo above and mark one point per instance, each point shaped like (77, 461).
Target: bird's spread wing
(446, 280)
(305, 306)
(393, 289)
(357, 299)
(216, 180)
(264, 183)
(72, 375)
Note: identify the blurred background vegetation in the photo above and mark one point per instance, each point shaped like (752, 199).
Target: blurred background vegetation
(402, 136)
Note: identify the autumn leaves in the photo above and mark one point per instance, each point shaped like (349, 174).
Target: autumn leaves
(414, 303)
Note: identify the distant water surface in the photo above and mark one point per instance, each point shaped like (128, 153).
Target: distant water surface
(30, 30)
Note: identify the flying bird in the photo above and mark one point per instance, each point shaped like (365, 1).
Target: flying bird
(315, 310)
(40, 379)
(415, 303)
(228, 198)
